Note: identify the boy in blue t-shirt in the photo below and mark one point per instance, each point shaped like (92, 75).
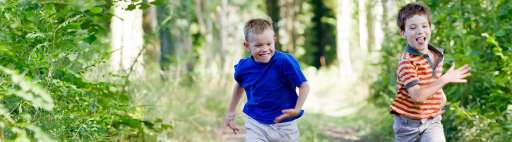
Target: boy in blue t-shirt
(270, 79)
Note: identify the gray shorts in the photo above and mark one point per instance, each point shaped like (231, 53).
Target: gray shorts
(425, 130)
(280, 132)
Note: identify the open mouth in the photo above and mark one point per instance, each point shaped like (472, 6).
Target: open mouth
(263, 54)
(421, 40)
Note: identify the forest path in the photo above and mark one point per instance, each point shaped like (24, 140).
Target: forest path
(330, 95)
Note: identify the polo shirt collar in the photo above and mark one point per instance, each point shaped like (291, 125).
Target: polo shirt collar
(415, 51)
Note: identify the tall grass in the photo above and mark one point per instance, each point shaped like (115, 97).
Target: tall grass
(193, 102)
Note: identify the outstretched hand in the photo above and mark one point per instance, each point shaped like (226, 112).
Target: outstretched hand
(457, 75)
(287, 113)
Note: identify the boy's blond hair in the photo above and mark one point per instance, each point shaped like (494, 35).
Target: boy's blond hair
(256, 26)
(410, 10)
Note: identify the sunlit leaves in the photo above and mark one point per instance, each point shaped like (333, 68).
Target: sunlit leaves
(53, 44)
(96, 10)
(29, 91)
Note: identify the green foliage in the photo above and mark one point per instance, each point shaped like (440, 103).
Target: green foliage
(475, 33)
(320, 44)
(53, 44)
(26, 90)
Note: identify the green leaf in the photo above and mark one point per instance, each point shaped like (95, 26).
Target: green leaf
(144, 6)
(96, 10)
(91, 38)
(131, 7)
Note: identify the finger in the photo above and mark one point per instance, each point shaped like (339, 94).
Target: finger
(235, 130)
(281, 117)
(460, 81)
(465, 75)
(459, 69)
(452, 67)
(232, 125)
(287, 110)
(464, 68)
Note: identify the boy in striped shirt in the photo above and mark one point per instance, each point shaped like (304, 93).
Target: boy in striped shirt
(417, 107)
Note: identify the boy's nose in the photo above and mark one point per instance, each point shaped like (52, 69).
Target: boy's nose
(421, 30)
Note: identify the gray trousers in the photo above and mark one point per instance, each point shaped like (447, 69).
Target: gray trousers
(280, 132)
(425, 130)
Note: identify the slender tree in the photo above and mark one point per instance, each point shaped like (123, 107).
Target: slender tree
(273, 10)
(127, 38)
(167, 49)
(344, 25)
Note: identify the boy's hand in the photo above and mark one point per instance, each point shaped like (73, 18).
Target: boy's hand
(457, 75)
(229, 121)
(287, 113)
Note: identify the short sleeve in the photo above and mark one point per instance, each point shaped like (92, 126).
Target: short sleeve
(407, 74)
(236, 75)
(291, 70)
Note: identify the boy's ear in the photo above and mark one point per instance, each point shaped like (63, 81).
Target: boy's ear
(246, 44)
(402, 33)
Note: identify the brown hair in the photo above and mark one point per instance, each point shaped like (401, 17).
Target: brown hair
(257, 26)
(410, 10)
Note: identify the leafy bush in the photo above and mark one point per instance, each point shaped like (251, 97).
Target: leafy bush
(53, 44)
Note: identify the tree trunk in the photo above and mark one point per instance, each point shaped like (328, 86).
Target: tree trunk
(181, 35)
(206, 29)
(377, 27)
(343, 29)
(320, 33)
(389, 12)
(127, 39)
(167, 51)
(363, 31)
(288, 33)
(223, 35)
(273, 10)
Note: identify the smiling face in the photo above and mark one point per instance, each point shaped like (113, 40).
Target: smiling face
(261, 45)
(417, 32)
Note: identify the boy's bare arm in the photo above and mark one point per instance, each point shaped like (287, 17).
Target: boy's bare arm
(303, 94)
(229, 121)
(287, 113)
(235, 98)
(419, 94)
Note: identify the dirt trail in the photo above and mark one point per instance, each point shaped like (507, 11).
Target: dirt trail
(331, 96)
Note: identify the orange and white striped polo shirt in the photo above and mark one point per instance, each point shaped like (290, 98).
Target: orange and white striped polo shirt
(415, 68)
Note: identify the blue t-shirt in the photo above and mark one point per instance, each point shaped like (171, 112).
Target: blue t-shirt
(270, 87)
